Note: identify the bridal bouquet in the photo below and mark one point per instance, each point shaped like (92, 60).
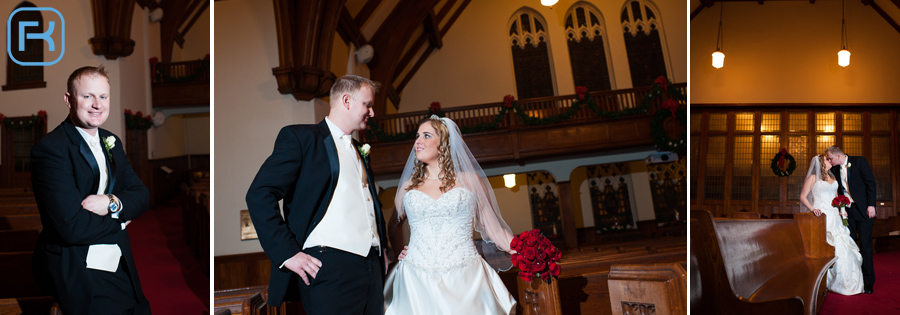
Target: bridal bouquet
(535, 256)
(841, 202)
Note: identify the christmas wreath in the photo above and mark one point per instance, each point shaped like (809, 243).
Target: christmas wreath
(778, 163)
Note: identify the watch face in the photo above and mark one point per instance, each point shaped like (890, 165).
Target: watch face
(113, 207)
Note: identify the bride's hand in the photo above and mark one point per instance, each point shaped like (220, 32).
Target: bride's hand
(817, 212)
(403, 253)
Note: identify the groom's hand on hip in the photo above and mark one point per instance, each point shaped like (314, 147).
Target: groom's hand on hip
(303, 265)
(871, 212)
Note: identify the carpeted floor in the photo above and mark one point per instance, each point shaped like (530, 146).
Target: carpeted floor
(885, 300)
(172, 279)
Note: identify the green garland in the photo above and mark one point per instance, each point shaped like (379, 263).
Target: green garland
(792, 164)
(658, 132)
(374, 131)
(36, 119)
(163, 76)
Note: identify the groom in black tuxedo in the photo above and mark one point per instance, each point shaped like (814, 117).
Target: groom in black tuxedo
(328, 248)
(856, 178)
(87, 194)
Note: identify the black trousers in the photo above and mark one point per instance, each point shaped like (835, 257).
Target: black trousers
(112, 292)
(345, 284)
(861, 231)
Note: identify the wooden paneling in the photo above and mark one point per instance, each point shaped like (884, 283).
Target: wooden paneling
(241, 271)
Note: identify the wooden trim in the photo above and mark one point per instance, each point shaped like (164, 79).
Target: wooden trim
(415, 68)
(305, 38)
(112, 28)
(887, 17)
(445, 9)
(349, 30)
(567, 214)
(193, 20)
(455, 16)
(431, 29)
(391, 38)
(363, 15)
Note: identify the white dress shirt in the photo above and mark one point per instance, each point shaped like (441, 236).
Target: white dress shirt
(101, 256)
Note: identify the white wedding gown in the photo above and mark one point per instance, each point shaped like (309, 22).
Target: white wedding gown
(845, 276)
(443, 272)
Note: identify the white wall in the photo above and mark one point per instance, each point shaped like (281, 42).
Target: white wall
(249, 111)
(475, 64)
(129, 78)
(786, 52)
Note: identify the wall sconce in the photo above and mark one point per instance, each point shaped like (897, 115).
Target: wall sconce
(548, 3)
(844, 54)
(719, 56)
(509, 180)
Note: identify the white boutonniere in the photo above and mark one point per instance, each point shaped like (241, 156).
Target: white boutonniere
(364, 152)
(109, 143)
(849, 165)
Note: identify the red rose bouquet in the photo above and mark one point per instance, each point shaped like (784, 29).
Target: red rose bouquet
(535, 256)
(841, 202)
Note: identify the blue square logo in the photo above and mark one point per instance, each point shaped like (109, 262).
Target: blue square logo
(47, 35)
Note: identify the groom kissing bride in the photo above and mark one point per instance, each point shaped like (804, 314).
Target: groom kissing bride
(829, 176)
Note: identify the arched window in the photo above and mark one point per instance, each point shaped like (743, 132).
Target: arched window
(586, 36)
(643, 42)
(25, 77)
(531, 54)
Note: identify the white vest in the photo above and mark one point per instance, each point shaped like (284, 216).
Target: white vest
(349, 221)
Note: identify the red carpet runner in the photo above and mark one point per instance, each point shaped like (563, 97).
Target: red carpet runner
(172, 279)
(885, 300)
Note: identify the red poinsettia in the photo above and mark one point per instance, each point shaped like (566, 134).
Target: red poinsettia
(41, 116)
(580, 90)
(2, 118)
(435, 109)
(662, 82)
(508, 100)
(535, 255)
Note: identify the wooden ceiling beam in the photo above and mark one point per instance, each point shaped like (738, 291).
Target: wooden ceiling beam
(883, 14)
(350, 31)
(431, 29)
(390, 41)
(112, 28)
(363, 15)
(459, 11)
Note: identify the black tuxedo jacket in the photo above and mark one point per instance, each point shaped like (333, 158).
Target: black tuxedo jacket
(861, 181)
(64, 172)
(302, 171)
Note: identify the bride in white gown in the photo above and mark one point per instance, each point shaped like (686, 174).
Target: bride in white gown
(444, 194)
(845, 276)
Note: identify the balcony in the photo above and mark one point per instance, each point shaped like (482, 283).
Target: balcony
(181, 84)
(512, 141)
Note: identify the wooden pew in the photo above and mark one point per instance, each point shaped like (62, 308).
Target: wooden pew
(252, 300)
(21, 222)
(648, 289)
(27, 305)
(17, 280)
(886, 234)
(18, 240)
(18, 208)
(773, 266)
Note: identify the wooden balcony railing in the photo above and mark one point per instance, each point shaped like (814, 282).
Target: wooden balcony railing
(402, 126)
(182, 72)
(181, 84)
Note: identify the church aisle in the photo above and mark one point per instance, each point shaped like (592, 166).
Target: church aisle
(171, 277)
(883, 301)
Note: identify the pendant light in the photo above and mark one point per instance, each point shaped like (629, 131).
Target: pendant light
(718, 57)
(844, 54)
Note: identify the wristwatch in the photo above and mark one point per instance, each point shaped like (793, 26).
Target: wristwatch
(113, 205)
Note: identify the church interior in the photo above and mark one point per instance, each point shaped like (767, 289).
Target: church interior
(156, 54)
(576, 112)
(782, 96)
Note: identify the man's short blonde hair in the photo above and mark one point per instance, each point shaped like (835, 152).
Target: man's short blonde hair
(350, 84)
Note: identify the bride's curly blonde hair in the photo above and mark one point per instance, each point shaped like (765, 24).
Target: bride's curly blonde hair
(447, 175)
(825, 174)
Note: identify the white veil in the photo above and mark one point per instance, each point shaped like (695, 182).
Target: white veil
(815, 168)
(495, 234)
